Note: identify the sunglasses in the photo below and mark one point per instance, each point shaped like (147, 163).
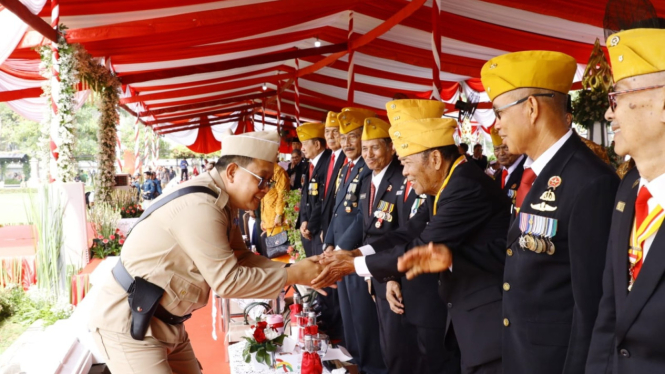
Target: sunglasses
(497, 111)
(612, 95)
(262, 182)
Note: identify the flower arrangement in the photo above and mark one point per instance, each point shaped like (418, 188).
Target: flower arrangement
(131, 211)
(108, 246)
(291, 212)
(104, 218)
(262, 341)
(589, 107)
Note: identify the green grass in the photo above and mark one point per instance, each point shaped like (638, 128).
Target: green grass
(10, 330)
(13, 208)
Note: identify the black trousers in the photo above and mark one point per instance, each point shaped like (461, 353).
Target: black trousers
(398, 341)
(361, 324)
(184, 175)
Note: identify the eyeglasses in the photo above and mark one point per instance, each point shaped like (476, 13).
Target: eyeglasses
(352, 138)
(497, 111)
(262, 182)
(612, 96)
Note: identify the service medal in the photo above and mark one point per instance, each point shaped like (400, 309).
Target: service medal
(347, 209)
(530, 242)
(551, 249)
(355, 205)
(377, 224)
(540, 246)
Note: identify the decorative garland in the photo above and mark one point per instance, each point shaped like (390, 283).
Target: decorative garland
(591, 103)
(64, 117)
(107, 86)
(291, 212)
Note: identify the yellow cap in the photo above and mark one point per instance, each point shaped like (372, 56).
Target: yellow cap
(419, 135)
(331, 120)
(366, 112)
(636, 52)
(529, 69)
(310, 130)
(375, 128)
(350, 120)
(410, 109)
(496, 139)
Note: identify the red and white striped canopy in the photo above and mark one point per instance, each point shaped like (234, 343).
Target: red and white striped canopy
(192, 65)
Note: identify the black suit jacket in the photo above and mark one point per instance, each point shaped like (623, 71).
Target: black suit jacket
(346, 230)
(329, 199)
(387, 192)
(513, 182)
(550, 302)
(312, 201)
(472, 219)
(300, 172)
(630, 329)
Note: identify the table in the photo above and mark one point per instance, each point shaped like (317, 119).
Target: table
(239, 366)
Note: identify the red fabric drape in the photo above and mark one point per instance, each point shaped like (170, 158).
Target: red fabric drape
(205, 140)
(475, 84)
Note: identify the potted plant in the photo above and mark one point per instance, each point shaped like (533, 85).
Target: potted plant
(261, 345)
(108, 246)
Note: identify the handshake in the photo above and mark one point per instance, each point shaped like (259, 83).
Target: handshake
(323, 270)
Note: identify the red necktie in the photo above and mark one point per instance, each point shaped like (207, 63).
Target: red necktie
(527, 180)
(311, 170)
(408, 190)
(504, 174)
(331, 166)
(641, 213)
(372, 191)
(348, 171)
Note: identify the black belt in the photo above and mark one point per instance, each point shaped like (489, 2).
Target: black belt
(126, 281)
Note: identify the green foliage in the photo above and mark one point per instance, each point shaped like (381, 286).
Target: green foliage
(11, 181)
(27, 169)
(10, 300)
(28, 307)
(589, 106)
(17, 134)
(108, 246)
(291, 212)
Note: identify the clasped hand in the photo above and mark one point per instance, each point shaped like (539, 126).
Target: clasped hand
(431, 258)
(337, 265)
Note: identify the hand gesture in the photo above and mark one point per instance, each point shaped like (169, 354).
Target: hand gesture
(337, 265)
(394, 297)
(303, 230)
(432, 258)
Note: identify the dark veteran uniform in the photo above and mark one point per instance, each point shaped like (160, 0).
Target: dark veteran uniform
(629, 334)
(333, 168)
(556, 243)
(470, 215)
(361, 326)
(311, 198)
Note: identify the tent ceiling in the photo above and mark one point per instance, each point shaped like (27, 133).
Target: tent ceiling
(201, 62)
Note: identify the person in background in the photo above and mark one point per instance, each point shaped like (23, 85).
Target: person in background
(273, 203)
(195, 171)
(297, 170)
(136, 183)
(171, 173)
(509, 175)
(478, 157)
(158, 185)
(183, 170)
(148, 190)
(464, 150)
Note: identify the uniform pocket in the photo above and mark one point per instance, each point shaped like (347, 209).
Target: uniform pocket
(180, 295)
(555, 334)
(483, 296)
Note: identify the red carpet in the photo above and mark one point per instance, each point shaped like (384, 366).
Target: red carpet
(210, 353)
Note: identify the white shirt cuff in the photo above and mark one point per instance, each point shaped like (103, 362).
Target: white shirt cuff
(361, 267)
(337, 248)
(367, 250)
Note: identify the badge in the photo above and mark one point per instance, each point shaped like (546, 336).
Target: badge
(543, 207)
(530, 243)
(537, 232)
(548, 196)
(554, 182)
(363, 196)
(550, 247)
(347, 209)
(355, 205)
(377, 224)
(346, 203)
(513, 187)
(620, 206)
(390, 188)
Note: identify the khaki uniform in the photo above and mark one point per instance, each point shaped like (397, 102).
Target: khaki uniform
(274, 201)
(187, 247)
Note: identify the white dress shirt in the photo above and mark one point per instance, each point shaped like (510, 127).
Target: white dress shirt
(512, 168)
(657, 189)
(539, 164)
(315, 160)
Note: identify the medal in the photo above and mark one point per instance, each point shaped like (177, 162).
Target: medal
(530, 242)
(550, 248)
(347, 209)
(355, 205)
(540, 246)
(522, 242)
(377, 224)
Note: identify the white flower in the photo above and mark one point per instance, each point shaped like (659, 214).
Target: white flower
(271, 333)
(249, 333)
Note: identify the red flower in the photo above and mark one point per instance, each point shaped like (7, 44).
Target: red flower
(121, 241)
(259, 335)
(117, 230)
(261, 325)
(123, 209)
(106, 241)
(296, 208)
(112, 237)
(289, 250)
(100, 237)
(133, 211)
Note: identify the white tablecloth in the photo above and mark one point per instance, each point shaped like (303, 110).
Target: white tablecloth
(239, 366)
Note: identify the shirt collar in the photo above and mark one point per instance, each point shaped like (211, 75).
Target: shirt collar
(538, 165)
(316, 159)
(355, 162)
(376, 179)
(657, 189)
(218, 186)
(512, 167)
(337, 153)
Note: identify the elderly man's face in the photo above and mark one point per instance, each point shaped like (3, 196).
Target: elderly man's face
(351, 143)
(332, 137)
(311, 148)
(504, 157)
(514, 125)
(377, 154)
(296, 157)
(422, 174)
(639, 117)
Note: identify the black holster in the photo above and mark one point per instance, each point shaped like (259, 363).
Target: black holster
(143, 302)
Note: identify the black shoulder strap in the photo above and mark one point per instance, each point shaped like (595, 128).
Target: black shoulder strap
(172, 196)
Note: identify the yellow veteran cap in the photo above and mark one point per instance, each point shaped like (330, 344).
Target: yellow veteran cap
(331, 120)
(350, 120)
(636, 52)
(496, 139)
(365, 112)
(419, 135)
(310, 130)
(262, 145)
(528, 69)
(410, 109)
(375, 128)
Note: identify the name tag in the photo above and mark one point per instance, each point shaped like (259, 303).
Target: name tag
(362, 196)
(400, 192)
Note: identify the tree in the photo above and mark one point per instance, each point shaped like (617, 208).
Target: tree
(17, 134)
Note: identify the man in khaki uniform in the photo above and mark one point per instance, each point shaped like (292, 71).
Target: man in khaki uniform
(187, 247)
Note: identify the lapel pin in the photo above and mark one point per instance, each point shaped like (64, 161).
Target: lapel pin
(543, 207)
(390, 188)
(620, 206)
